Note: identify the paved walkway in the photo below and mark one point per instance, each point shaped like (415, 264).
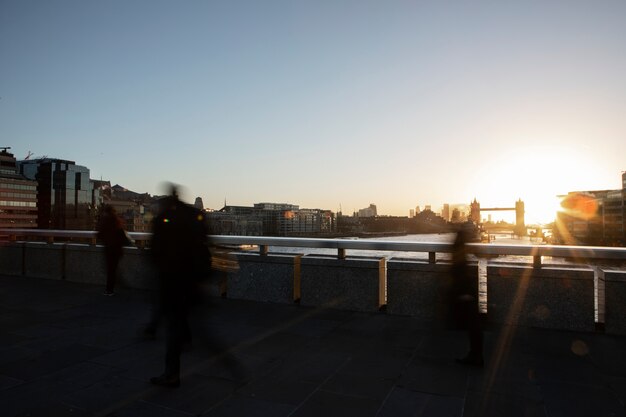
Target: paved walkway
(66, 350)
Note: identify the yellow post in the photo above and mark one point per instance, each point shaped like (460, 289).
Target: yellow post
(382, 282)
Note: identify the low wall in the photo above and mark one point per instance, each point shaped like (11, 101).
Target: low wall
(419, 289)
(547, 298)
(44, 260)
(615, 302)
(137, 270)
(349, 284)
(84, 263)
(269, 277)
(12, 258)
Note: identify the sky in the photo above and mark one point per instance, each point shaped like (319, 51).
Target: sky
(324, 104)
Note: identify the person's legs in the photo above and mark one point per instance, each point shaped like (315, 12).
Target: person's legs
(177, 330)
(475, 336)
(112, 261)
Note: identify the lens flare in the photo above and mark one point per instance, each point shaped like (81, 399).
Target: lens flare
(580, 205)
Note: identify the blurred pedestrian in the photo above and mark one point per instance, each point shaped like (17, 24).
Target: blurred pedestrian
(112, 234)
(464, 296)
(181, 253)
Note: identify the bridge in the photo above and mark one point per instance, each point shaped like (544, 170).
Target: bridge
(520, 224)
(317, 334)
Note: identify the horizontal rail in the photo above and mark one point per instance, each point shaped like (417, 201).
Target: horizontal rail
(488, 249)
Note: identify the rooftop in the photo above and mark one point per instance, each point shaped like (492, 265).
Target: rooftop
(68, 350)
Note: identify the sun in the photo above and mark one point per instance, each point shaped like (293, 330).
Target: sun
(537, 176)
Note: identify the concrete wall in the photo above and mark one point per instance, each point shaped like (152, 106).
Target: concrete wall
(137, 270)
(547, 298)
(349, 284)
(615, 302)
(43, 260)
(11, 258)
(84, 263)
(264, 278)
(419, 289)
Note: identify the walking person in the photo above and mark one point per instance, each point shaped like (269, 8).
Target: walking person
(112, 234)
(465, 299)
(180, 251)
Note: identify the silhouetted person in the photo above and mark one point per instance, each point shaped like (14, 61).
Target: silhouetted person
(111, 233)
(180, 250)
(465, 299)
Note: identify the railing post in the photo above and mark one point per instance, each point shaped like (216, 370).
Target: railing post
(482, 278)
(341, 253)
(297, 278)
(537, 261)
(432, 257)
(382, 283)
(599, 285)
(264, 250)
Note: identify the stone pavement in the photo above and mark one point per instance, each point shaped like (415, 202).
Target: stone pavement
(67, 350)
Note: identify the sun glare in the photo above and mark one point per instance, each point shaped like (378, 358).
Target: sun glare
(537, 175)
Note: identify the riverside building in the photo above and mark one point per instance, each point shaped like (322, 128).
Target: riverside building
(604, 227)
(18, 195)
(271, 219)
(65, 198)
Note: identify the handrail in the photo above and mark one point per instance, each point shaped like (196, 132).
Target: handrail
(487, 249)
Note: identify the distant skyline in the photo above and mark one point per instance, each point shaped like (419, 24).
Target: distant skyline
(323, 104)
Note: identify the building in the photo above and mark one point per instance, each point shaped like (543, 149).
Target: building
(271, 219)
(593, 217)
(368, 211)
(411, 213)
(136, 210)
(18, 195)
(474, 215)
(445, 213)
(65, 198)
(236, 221)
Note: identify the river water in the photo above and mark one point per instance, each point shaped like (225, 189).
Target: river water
(505, 239)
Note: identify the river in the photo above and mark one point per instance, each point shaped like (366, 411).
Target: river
(499, 238)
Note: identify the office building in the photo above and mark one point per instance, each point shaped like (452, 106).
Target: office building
(593, 218)
(445, 213)
(65, 197)
(18, 195)
(368, 211)
(271, 219)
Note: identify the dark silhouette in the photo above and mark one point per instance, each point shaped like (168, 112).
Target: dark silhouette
(112, 234)
(464, 296)
(181, 253)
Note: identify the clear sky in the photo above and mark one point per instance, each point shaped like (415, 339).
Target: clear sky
(323, 103)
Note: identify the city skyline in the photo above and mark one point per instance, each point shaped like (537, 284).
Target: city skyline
(323, 105)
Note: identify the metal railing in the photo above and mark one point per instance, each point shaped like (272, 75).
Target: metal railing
(595, 258)
(579, 254)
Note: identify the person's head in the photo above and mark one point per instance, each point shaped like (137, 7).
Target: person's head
(173, 193)
(109, 210)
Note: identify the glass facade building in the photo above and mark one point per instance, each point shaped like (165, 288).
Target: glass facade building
(606, 227)
(65, 194)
